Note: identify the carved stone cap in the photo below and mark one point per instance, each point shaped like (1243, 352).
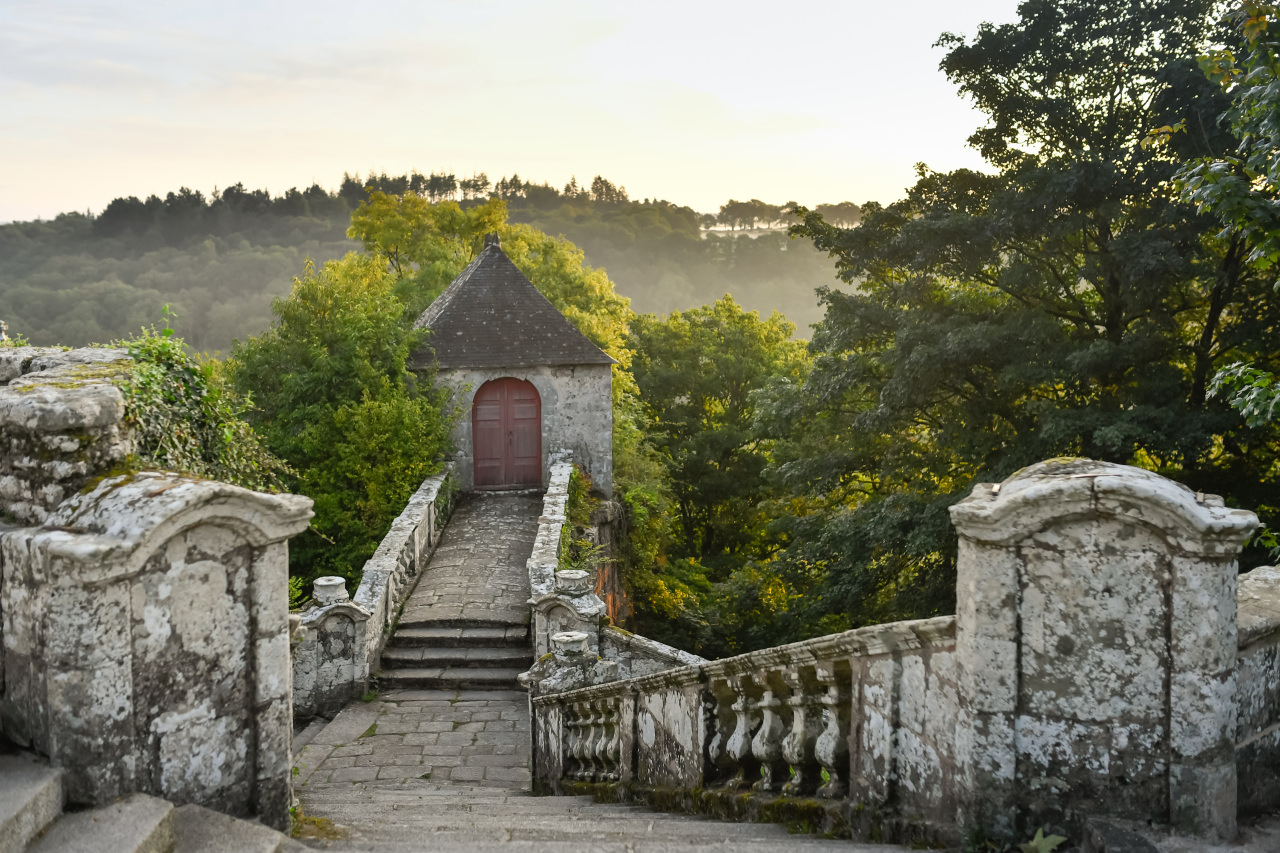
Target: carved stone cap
(113, 529)
(1060, 489)
(573, 582)
(329, 590)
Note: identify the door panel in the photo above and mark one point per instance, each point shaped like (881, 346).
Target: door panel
(506, 423)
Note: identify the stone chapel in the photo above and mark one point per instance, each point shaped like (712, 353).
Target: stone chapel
(528, 382)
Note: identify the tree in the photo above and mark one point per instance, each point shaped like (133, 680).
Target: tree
(1066, 305)
(333, 399)
(696, 371)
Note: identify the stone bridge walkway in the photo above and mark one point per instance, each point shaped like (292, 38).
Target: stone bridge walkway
(440, 759)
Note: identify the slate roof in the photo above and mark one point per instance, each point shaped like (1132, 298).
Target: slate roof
(492, 316)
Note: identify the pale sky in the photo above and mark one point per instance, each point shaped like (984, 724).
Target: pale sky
(691, 101)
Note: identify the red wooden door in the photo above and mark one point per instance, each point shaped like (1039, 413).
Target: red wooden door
(506, 433)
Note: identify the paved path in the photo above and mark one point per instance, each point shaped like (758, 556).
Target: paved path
(439, 771)
(431, 769)
(478, 573)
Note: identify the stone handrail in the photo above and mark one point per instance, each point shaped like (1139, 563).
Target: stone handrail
(342, 639)
(1258, 686)
(1105, 661)
(545, 557)
(778, 720)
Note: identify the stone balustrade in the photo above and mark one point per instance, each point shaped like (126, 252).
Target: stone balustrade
(144, 616)
(1095, 668)
(341, 638)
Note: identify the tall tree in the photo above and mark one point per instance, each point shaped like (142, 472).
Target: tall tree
(697, 371)
(1066, 304)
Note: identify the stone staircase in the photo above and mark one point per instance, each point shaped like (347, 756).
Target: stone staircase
(33, 819)
(456, 655)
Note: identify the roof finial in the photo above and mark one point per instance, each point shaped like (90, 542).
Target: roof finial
(492, 239)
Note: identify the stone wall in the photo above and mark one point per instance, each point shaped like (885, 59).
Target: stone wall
(145, 642)
(144, 618)
(1258, 691)
(577, 415)
(636, 655)
(871, 709)
(61, 422)
(1095, 669)
(342, 638)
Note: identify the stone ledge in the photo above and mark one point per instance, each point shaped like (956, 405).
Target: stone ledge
(840, 819)
(1259, 607)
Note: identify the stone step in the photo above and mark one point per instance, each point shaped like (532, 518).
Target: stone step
(457, 636)
(30, 800)
(451, 678)
(409, 620)
(200, 830)
(135, 824)
(481, 656)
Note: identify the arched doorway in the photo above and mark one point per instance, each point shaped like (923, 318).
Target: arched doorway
(506, 433)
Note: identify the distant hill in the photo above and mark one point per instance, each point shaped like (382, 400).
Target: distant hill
(218, 261)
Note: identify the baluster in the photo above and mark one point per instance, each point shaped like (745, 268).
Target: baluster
(570, 741)
(591, 744)
(832, 746)
(717, 705)
(766, 746)
(582, 745)
(738, 747)
(806, 723)
(613, 742)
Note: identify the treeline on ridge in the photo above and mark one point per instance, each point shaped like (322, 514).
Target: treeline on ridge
(219, 259)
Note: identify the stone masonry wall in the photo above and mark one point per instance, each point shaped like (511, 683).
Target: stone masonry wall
(61, 424)
(145, 642)
(577, 415)
(144, 626)
(341, 639)
(1096, 668)
(1258, 692)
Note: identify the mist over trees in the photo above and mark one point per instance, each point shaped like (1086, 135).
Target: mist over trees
(220, 258)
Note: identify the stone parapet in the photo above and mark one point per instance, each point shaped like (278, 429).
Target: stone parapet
(1258, 692)
(62, 424)
(341, 640)
(1096, 608)
(859, 718)
(146, 646)
(1096, 668)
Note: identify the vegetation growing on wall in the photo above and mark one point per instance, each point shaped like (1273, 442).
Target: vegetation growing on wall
(184, 419)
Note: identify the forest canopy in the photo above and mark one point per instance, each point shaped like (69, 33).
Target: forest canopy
(220, 259)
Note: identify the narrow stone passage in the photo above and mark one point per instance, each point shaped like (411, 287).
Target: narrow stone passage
(440, 759)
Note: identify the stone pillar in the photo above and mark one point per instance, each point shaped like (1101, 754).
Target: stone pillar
(1096, 648)
(146, 642)
(573, 606)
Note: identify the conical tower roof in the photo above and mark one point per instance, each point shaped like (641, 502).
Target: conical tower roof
(493, 316)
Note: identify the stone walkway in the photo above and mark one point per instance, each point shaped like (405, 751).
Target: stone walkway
(437, 771)
(478, 573)
(448, 769)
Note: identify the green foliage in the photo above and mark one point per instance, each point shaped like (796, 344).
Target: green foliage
(298, 593)
(698, 372)
(1251, 392)
(1241, 186)
(333, 398)
(185, 420)
(1042, 843)
(1067, 304)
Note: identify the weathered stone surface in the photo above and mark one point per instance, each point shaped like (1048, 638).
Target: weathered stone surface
(636, 655)
(1096, 644)
(60, 426)
(577, 415)
(341, 639)
(145, 641)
